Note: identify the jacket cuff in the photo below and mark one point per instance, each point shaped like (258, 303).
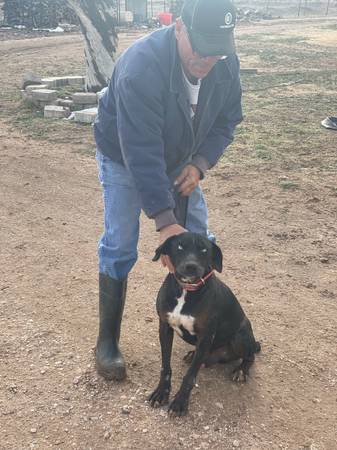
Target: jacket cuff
(201, 163)
(165, 218)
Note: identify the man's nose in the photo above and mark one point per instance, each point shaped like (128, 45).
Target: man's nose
(211, 59)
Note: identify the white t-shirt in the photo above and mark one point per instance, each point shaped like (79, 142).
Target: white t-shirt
(193, 93)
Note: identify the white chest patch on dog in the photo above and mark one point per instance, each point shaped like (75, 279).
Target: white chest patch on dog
(177, 320)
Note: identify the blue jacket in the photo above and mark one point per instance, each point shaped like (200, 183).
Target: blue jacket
(144, 121)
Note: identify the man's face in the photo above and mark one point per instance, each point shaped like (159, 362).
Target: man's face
(194, 65)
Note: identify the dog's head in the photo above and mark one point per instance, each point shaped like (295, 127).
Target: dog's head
(192, 256)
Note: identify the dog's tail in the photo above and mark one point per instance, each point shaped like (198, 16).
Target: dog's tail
(257, 347)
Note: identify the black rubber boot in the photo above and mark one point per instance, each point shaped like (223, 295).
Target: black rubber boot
(109, 360)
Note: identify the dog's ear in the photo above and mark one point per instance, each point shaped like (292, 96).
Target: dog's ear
(163, 248)
(216, 257)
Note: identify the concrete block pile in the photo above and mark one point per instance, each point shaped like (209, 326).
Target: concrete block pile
(44, 93)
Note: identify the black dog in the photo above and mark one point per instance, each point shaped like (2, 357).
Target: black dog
(204, 312)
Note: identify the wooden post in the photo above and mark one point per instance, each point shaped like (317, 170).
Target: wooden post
(327, 8)
(299, 8)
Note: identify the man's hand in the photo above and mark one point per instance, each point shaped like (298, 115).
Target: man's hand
(165, 233)
(188, 180)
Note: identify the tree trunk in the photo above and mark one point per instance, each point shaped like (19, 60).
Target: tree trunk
(97, 20)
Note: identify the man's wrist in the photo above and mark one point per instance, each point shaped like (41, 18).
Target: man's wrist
(165, 218)
(200, 163)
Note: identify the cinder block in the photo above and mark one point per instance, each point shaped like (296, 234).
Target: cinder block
(85, 98)
(44, 95)
(76, 81)
(41, 105)
(34, 87)
(79, 107)
(86, 115)
(56, 112)
(65, 103)
(55, 82)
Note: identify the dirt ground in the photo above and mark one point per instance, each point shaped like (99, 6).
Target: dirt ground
(273, 207)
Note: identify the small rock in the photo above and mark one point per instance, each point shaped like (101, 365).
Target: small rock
(236, 444)
(316, 400)
(126, 409)
(76, 380)
(107, 435)
(219, 405)
(33, 430)
(145, 430)
(13, 388)
(314, 200)
(206, 428)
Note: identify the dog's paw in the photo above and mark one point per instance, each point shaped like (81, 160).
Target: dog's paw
(178, 407)
(189, 357)
(239, 375)
(159, 396)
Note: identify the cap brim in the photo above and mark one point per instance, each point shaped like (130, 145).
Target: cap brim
(212, 45)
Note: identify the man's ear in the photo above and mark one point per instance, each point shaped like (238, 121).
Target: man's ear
(163, 249)
(216, 257)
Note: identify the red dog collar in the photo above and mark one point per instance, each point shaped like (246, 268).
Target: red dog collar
(195, 286)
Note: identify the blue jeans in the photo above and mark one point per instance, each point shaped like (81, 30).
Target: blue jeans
(117, 247)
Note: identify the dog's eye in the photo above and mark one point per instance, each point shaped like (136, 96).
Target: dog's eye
(204, 250)
(180, 247)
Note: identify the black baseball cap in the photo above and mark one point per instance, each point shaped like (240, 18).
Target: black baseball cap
(210, 25)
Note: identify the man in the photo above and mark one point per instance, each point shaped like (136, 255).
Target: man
(169, 112)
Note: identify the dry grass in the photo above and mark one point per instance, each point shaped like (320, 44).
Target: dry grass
(283, 105)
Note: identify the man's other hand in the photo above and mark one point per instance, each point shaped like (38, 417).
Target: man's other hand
(188, 180)
(165, 233)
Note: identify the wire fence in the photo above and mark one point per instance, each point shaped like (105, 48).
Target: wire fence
(48, 13)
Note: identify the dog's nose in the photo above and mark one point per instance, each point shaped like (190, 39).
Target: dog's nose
(191, 269)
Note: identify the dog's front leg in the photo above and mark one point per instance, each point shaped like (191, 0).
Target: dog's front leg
(161, 395)
(179, 405)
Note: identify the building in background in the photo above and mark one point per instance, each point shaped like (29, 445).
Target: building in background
(144, 10)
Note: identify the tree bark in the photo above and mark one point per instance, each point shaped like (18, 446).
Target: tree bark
(97, 20)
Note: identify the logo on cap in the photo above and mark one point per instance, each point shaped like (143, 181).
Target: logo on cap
(229, 23)
(228, 19)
